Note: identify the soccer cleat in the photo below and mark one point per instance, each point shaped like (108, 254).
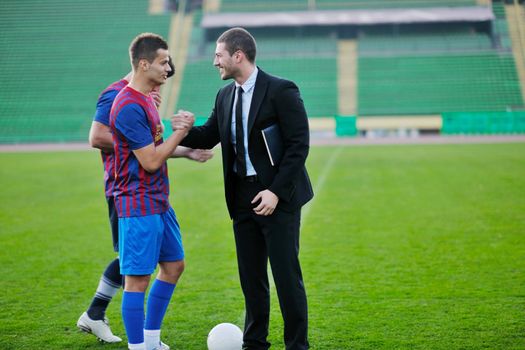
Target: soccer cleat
(99, 328)
(162, 346)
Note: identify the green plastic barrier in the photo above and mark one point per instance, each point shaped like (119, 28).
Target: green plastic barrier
(345, 125)
(479, 123)
(167, 125)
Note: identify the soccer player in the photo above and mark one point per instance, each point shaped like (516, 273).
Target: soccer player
(94, 320)
(148, 230)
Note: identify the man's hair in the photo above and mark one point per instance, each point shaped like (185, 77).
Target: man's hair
(236, 39)
(172, 66)
(145, 46)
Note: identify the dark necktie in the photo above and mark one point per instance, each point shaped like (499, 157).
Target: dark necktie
(239, 135)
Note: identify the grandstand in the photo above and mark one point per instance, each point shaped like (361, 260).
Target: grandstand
(376, 64)
(57, 56)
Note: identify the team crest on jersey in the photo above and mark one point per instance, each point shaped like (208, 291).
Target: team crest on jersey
(158, 133)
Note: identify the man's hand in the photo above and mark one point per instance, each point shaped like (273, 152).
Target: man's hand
(268, 202)
(155, 94)
(200, 155)
(180, 120)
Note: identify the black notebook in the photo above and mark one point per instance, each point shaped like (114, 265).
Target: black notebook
(274, 143)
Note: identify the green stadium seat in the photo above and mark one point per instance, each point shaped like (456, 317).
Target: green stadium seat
(434, 73)
(310, 62)
(57, 57)
(301, 5)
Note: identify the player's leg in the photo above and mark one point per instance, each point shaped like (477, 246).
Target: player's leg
(133, 309)
(159, 297)
(171, 265)
(94, 319)
(138, 242)
(111, 279)
(109, 284)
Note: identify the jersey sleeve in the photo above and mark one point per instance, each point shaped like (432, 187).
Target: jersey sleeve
(132, 123)
(104, 104)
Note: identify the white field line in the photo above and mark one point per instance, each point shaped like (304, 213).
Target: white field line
(318, 186)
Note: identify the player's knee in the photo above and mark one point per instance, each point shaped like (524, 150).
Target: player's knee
(178, 269)
(172, 270)
(136, 283)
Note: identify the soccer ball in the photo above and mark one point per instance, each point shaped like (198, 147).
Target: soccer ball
(225, 336)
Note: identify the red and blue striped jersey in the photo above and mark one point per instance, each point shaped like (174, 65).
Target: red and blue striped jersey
(104, 103)
(135, 123)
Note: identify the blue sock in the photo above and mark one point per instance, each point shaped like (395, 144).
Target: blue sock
(133, 316)
(158, 300)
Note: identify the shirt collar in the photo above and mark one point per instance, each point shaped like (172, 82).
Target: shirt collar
(250, 82)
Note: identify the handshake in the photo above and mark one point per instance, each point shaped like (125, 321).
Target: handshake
(182, 121)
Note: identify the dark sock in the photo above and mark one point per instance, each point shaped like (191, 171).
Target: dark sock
(109, 284)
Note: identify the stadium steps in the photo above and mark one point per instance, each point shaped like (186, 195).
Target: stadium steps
(347, 77)
(179, 37)
(483, 2)
(211, 5)
(156, 7)
(515, 18)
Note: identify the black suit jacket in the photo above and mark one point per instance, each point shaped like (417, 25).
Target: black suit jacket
(274, 100)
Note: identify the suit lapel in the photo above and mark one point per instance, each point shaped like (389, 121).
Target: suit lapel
(261, 84)
(228, 105)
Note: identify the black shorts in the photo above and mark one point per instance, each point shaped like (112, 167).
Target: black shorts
(113, 221)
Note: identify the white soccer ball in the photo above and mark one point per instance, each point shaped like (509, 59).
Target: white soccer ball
(225, 336)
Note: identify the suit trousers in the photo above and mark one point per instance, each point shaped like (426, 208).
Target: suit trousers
(274, 238)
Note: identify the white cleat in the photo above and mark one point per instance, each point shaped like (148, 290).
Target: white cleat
(99, 328)
(162, 346)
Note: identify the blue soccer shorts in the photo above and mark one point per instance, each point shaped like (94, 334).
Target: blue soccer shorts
(144, 241)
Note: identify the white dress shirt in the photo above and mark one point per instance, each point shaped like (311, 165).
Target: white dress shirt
(247, 87)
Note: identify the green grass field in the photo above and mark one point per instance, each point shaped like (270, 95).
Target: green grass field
(403, 247)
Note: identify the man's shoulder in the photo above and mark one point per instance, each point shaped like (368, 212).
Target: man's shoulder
(126, 107)
(105, 101)
(126, 97)
(225, 89)
(274, 81)
(113, 89)
(117, 85)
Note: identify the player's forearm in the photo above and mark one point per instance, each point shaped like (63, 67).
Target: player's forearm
(159, 154)
(103, 144)
(181, 152)
(100, 137)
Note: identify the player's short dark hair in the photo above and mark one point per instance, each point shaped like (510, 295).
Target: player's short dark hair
(172, 66)
(236, 39)
(145, 46)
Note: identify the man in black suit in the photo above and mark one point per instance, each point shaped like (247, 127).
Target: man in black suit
(264, 201)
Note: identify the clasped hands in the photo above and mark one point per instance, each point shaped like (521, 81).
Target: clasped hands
(182, 121)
